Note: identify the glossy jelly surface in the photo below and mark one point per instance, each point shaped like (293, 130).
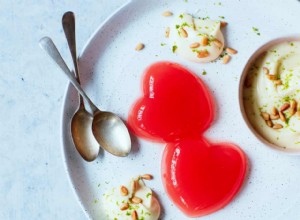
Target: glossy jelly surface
(177, 108)
(175, 105)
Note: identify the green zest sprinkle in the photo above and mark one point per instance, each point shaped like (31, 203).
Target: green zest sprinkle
(204, 73)
(256, 30)
(177, 26)
(174, 48)
(148, 194)
(222, 17)
(181, 16)
(163, 44)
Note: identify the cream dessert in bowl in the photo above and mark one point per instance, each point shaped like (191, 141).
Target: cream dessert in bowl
(196, 39)
(271, 92)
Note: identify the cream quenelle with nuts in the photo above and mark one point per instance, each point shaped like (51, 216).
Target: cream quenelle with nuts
(132, 201)
(272, 95)
(196, 39)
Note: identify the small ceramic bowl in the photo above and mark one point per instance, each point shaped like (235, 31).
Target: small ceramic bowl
(252, 59)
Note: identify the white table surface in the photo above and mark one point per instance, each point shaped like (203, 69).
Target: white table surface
(33, 180)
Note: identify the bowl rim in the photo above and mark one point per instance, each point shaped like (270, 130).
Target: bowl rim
(263, 48)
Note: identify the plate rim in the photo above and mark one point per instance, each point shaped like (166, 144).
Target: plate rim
(63, 132)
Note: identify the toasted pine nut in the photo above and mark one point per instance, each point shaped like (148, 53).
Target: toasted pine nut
(183, 33)
(203, 54)
(217, 43)
(124, 206)
(124, 191)
(274, 111)
(223, 24)
(298, 113)
(226, 59)
(135, 186)
(285, 106)
(147, 177)
(282, 117)
(274, 117)
(293, 108)
(136, 200)
(167, 14)
(269, 123)
(278, 82)
(265, 116)
(230, 50)
(204, 41)
(134, 215)
(167, 32)
(266, 70)
(195, 45)
(139, 47)
(277, 126)
(271, 77)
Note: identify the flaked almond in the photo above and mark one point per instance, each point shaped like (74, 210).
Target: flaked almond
(167, 14)
(124, 191)
(139, 47)
(167, 32)
(134, 215)
(282, 117)
(285, 106)
(231, 50)
(266, 70)
(277, 126)
(147, 177)
(223, 24)
(293, 107)
(217, 43)
(204, 41)
(203, 54)
(226, 59)
(298, 113)
(274, 117)
(183, 33)
(274, 111)
(136, 200)
(124, 206)
(278, 82)
(271, 77)
(195, 45)
(269, 123)
(265, 116)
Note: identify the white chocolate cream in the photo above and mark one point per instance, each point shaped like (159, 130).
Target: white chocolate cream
(148, 209)
(274, 81)
(196, 39)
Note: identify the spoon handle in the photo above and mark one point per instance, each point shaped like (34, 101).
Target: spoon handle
(47, 44)
(68, 23)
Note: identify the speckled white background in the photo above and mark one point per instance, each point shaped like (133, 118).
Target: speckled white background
(33, 180)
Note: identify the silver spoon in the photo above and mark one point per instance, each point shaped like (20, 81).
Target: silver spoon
(81, 123)
(108, 129)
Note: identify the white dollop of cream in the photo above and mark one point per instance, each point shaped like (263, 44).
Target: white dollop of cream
(196, 29)
(149, 209)
(282, 60)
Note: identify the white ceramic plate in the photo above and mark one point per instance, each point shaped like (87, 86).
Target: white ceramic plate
(111, 73)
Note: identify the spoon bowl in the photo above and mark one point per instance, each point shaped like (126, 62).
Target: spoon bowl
(106, 127)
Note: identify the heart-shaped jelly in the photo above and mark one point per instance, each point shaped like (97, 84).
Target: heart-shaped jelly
(176, 107)
(175, 104)
(201, 178)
